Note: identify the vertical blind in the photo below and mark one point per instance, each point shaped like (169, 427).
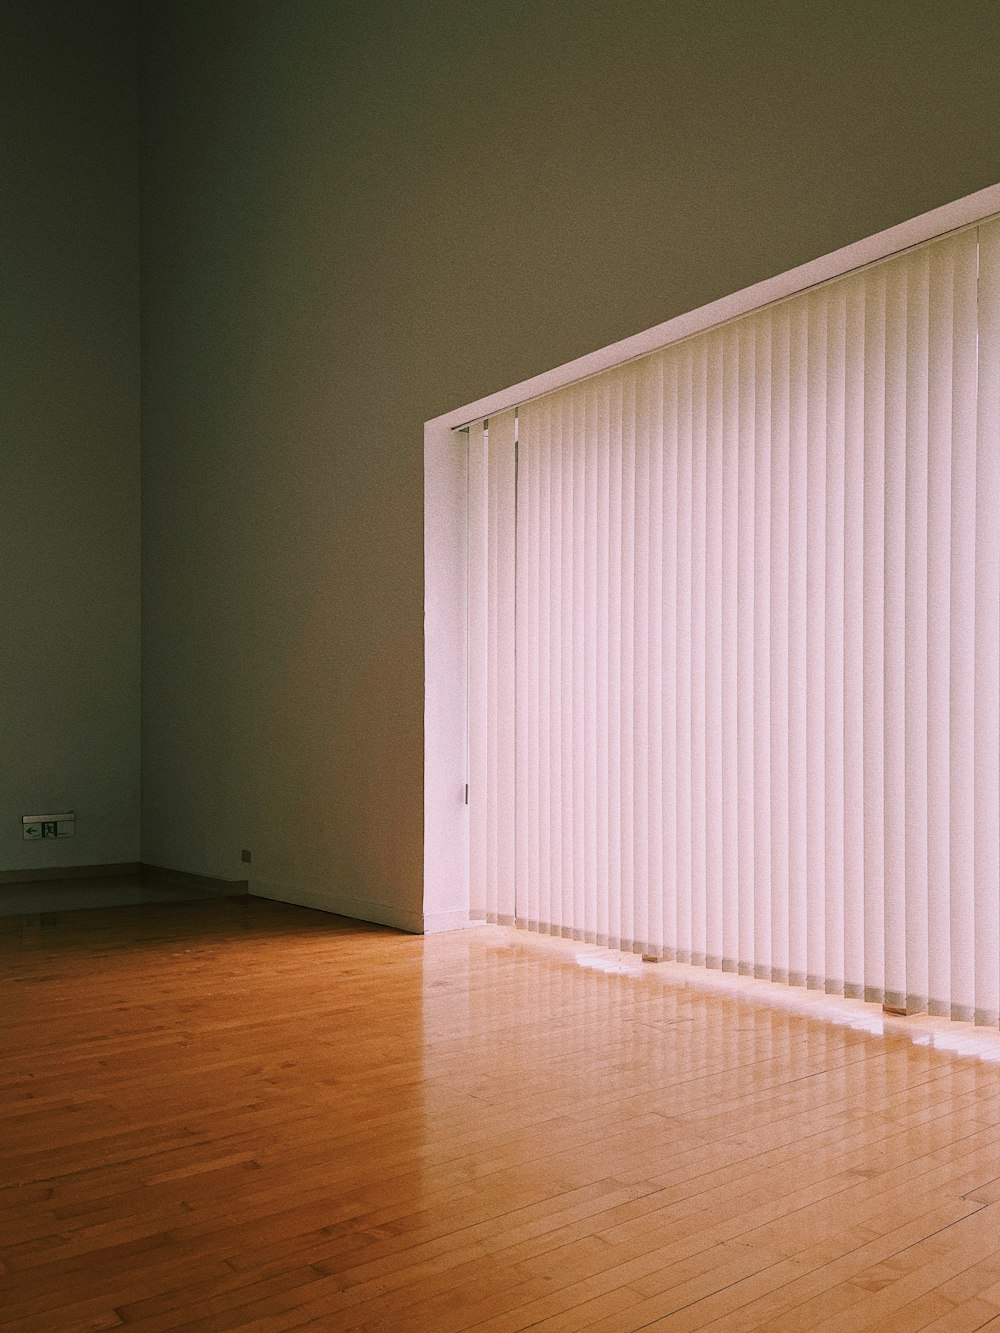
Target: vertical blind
(734, 644)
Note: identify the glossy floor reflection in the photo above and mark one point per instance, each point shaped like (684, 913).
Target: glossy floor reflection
(239, 1114)
(74, 895)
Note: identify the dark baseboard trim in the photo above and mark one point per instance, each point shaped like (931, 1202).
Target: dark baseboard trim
(231, 887)
(37, 876)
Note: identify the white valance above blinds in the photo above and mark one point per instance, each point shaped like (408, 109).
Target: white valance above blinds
(734, 643)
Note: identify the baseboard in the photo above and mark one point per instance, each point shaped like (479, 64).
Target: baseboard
(230, 887)
(359, 909)
(38, 876)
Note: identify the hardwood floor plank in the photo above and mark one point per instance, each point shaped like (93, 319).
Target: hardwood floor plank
(240, 1114)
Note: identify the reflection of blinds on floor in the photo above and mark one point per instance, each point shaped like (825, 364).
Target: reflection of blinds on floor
(750, 715)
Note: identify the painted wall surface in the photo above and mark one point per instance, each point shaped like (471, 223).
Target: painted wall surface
(69, 429)
(356, 216)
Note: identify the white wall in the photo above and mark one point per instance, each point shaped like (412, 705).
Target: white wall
(69, 430)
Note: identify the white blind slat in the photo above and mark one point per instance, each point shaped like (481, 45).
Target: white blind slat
(987, 636)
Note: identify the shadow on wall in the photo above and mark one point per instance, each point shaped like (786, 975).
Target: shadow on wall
(352, 820)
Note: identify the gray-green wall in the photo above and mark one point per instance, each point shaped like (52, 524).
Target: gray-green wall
(69, 429)
(357, 216)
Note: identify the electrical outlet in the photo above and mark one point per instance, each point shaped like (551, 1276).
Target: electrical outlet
(36, 827)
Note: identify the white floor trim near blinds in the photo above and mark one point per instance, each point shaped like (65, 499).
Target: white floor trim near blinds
(734, 645)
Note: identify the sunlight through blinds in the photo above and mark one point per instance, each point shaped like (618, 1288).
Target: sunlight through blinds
(734, 645)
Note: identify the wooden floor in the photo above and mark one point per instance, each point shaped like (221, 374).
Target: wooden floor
(237, 1114)
(67, 895)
